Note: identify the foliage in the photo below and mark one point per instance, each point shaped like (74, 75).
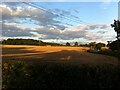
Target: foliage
(99, 45)
(96, 46)
(59, 76)
(92, 44)
(105, 52)
(114, 45)
(116, 26)
(76, 44)
(67, 44)
(28, 42)
(84, 45)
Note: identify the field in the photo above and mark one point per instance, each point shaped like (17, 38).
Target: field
(55, 54)
(47, 67)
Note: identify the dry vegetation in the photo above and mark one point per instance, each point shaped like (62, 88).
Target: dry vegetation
(56, 54)
(59, 67)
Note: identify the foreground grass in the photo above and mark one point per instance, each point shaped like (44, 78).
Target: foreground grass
(20, 75)
(106, 52)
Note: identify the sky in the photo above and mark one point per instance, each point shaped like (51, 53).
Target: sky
(59, 22)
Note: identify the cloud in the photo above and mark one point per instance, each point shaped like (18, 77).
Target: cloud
(47, 26)
(60, 11)
(11, 3)
(6, 12)
(40, 16)
(12, 11)
(103, 31)
(98, 26)
(11, 30)
(59, 26)
(81, 31)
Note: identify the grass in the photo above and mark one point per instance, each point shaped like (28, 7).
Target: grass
(49, 75)
(106, 52)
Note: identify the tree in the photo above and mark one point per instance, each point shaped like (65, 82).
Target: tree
(116, 26)
(92, 45)
(114, 45)
(99, 45)
(67, 44)
(76, 44)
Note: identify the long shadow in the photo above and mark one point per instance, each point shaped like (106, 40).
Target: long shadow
(17, 50)
(79, 57)
(59, 56)
(62, 55)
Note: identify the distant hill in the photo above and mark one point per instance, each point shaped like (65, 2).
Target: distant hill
(28, 42)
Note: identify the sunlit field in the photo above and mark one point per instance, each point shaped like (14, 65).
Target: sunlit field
(57, 67)
(54, 54)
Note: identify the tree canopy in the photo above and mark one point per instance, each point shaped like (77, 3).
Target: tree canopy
(76, 44)
(67, 44)
(114, 45)
(28, 42)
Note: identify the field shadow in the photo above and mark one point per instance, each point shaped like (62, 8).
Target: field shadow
(79, 57)
(17, 50)
(58, 56)
(62, 55)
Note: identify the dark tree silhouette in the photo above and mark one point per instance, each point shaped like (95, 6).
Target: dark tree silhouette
(99, 45)
(116, 26)
(92, 45)
(67, 44)
(76, 44)
(114, 45)
(28, 42)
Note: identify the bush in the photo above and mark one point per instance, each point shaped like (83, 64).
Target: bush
(105, 52)
(114, 45)
(55, 76)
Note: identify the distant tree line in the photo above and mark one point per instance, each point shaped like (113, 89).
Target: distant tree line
(113, 45)
(28, 42)
(93, 45)
(77, 45)
(96, 46)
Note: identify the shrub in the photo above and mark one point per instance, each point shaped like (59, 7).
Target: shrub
(55, 76)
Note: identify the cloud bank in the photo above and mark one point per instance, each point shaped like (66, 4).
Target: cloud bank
(46, 25)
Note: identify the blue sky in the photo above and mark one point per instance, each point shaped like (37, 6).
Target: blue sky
(67, 21)
(91, 12)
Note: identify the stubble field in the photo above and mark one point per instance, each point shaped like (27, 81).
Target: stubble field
(48, 67)
(54, 54)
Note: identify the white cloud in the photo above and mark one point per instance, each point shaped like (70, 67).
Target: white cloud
(81, 31)
(48, 28)
(6, 12)
(11, 30)
(41, 17)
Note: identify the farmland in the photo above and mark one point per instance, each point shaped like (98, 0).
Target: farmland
(55, 54)
(57, 67)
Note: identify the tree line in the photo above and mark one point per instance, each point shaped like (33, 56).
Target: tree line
(28, 42)
(94, 45)
(112, 45)
(41, 43)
